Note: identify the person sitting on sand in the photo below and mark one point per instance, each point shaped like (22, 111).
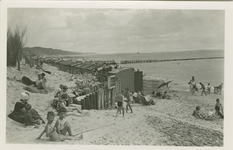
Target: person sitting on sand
(203, 89)
(135, 96)
(43, 78)
(119, 100)
(219, 109)
(62, 126)
(197, 113)
(208, 88)
(61, 105)
(40, 83)
(57, 95)
(51, 131)
(19, 111)
(32, 117)
(165, 95)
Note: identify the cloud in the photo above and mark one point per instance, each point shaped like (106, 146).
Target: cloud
(120, 30)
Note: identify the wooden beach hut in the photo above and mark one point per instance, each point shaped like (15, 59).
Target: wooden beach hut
(125, 76)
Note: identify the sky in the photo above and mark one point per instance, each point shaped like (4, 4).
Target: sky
(120, 30)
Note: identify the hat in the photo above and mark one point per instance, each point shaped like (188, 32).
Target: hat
(65, 87)
(24, 96)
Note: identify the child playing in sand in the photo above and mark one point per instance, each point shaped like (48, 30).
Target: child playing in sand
(32, 117)
(208, 88)
(203, 89)
(127, 95)
(52, 133)
(62, 126)
(119, 99)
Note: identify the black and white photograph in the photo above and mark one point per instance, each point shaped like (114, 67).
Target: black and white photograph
(115, 76)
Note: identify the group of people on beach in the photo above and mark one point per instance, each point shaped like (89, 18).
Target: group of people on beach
(210, 116)
(194, 88)
(122, 96)
(38, 86)
(63, 101)
(66, 105)
(218, 106)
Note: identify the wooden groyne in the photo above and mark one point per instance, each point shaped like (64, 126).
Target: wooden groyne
(165, 60)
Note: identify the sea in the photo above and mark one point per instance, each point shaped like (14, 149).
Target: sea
(205, 70)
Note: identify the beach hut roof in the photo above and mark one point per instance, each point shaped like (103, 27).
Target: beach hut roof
(75, 64)
(66, 63)
(79, 65)
(114, 71)
(58, 61)
(85, 66)
(91, 67)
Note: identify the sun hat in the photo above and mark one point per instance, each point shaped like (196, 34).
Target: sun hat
(24, 96)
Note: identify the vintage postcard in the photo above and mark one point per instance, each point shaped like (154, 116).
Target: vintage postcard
(151, 74)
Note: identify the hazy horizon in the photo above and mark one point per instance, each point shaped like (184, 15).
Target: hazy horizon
(120, 30)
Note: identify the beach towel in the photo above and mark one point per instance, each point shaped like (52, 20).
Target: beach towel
(28, 81)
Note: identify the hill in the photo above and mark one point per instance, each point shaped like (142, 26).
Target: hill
(48, 51)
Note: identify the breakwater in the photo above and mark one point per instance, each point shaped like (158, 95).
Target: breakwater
(165, 60)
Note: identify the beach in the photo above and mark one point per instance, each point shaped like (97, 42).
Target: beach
(167, 123)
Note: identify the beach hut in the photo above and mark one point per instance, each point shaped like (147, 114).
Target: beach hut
(138, 80)
(125, 76)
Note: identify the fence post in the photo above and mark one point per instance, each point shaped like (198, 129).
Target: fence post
(88, 102)
(96, 100)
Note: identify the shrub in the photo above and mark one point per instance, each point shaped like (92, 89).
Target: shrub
(16, 40)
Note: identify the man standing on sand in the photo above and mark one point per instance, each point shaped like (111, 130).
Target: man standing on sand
(119, 100)
(127, 96)
(192, 84)
(203, 89)
(219, 109)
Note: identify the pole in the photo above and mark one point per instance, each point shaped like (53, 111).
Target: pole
(94, 129)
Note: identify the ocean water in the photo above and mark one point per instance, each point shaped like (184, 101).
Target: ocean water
(158, 56)
(205, 71)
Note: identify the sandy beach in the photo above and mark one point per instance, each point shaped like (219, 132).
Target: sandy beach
(168, 122)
